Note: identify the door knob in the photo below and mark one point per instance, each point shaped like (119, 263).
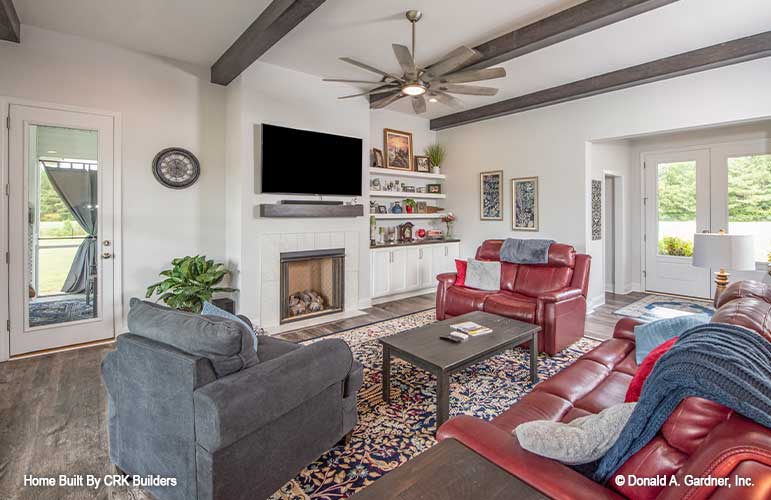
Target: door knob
(106, 243)
(106, 255)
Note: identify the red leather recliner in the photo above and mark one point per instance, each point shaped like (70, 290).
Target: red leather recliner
(551, 295)
(700, 438)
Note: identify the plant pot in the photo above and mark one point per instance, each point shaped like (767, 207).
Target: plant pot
(436, 170)
(409, 209)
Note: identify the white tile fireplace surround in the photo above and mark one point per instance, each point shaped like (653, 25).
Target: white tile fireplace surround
(272, 245)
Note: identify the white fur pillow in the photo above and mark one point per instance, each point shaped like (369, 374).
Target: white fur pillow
(483, 275)
(580, 441)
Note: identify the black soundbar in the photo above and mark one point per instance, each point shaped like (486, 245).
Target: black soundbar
(310, 202)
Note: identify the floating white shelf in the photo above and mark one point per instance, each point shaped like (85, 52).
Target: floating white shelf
(402, 194)
(405, 173)
(438, 215)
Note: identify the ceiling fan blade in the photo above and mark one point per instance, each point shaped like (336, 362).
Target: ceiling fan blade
(356, 81)
(419, 104)
(369, 92)
(452, 61)
(472, 76)
(371, 68)
(406, 61)
(468, 89)
(386, 101)
(447, 99)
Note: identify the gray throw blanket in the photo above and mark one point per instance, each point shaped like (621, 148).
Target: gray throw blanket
(519, 251)
(727, 364)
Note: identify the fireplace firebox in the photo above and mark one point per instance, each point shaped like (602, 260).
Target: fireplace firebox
(312, 283)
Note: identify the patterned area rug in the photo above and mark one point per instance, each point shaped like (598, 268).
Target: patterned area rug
(655, 307)
(59, 311)
(389, 435)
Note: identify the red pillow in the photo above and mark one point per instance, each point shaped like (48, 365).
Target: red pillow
(460, 267)
(645, 369)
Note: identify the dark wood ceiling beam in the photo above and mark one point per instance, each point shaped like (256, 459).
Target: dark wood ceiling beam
(715, 56)
(564, 25)
(10, 27)
(278, 19)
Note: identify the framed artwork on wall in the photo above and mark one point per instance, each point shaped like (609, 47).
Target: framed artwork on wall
(491, 195)
(398, 149)
(524, 204)
(596, 210)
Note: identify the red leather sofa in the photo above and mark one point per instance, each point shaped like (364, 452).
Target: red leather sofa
(551, 295)
(700, 438)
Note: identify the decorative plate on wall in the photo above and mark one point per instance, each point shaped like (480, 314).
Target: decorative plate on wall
(176, 168)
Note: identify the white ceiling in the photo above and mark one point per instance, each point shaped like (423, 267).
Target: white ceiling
(199, 31)
(194, 31)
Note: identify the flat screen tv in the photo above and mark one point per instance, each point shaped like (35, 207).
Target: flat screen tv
(304, 162)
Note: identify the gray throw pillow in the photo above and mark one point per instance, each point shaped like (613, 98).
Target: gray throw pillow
(483, 275)
(227, 344)
(580, 441)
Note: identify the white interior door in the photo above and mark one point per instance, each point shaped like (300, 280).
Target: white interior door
(60, 228)
(677, 205)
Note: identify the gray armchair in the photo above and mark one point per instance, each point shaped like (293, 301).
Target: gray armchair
(223, 434)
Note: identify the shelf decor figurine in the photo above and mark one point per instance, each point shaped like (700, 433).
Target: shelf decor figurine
(448, 220)
(396, 208)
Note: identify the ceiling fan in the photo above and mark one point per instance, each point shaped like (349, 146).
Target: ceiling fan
(438, 81)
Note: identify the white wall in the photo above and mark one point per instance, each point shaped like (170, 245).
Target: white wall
(265, 93)
(614, 158)
(162, 104)
(552, 144)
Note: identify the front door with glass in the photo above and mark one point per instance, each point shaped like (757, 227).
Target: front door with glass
(60, 228)
(677, 205)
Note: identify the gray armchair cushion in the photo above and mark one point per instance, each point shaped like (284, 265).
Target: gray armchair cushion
(272, 348)
(233, 407)
(226, 344)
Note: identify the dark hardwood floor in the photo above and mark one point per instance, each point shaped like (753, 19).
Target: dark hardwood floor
(53, 407)
(600, 323)
(381, 312)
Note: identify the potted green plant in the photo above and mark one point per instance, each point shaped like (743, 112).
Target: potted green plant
(189, 283)
(410, 204)
(436, 153)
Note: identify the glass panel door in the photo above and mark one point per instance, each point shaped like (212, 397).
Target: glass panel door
(60, 228)
(749, 200)
(677, 206)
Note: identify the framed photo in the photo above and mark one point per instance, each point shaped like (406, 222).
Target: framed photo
(398, 149)
(524, 204)
(434, 188)
(421, 207)
(382, 209)
(377, 158)
(491, 195)
(422, 164)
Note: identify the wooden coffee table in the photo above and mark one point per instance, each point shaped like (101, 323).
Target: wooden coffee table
(423, 348)
(449, 470)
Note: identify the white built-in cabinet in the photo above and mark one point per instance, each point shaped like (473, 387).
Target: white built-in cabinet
(397, 270)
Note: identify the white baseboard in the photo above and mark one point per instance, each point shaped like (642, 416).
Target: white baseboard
(631, 287)
(594, 302)
(406, 295)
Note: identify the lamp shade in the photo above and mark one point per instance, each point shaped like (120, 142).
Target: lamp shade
(724, 251)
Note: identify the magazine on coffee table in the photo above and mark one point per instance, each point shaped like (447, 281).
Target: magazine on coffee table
(470, 328)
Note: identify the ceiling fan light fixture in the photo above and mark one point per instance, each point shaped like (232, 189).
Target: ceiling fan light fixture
(414, 89)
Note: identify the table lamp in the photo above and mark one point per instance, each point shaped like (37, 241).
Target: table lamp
(723, 251)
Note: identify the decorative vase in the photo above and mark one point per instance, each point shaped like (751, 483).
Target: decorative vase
(436, 170)
(448, 234)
